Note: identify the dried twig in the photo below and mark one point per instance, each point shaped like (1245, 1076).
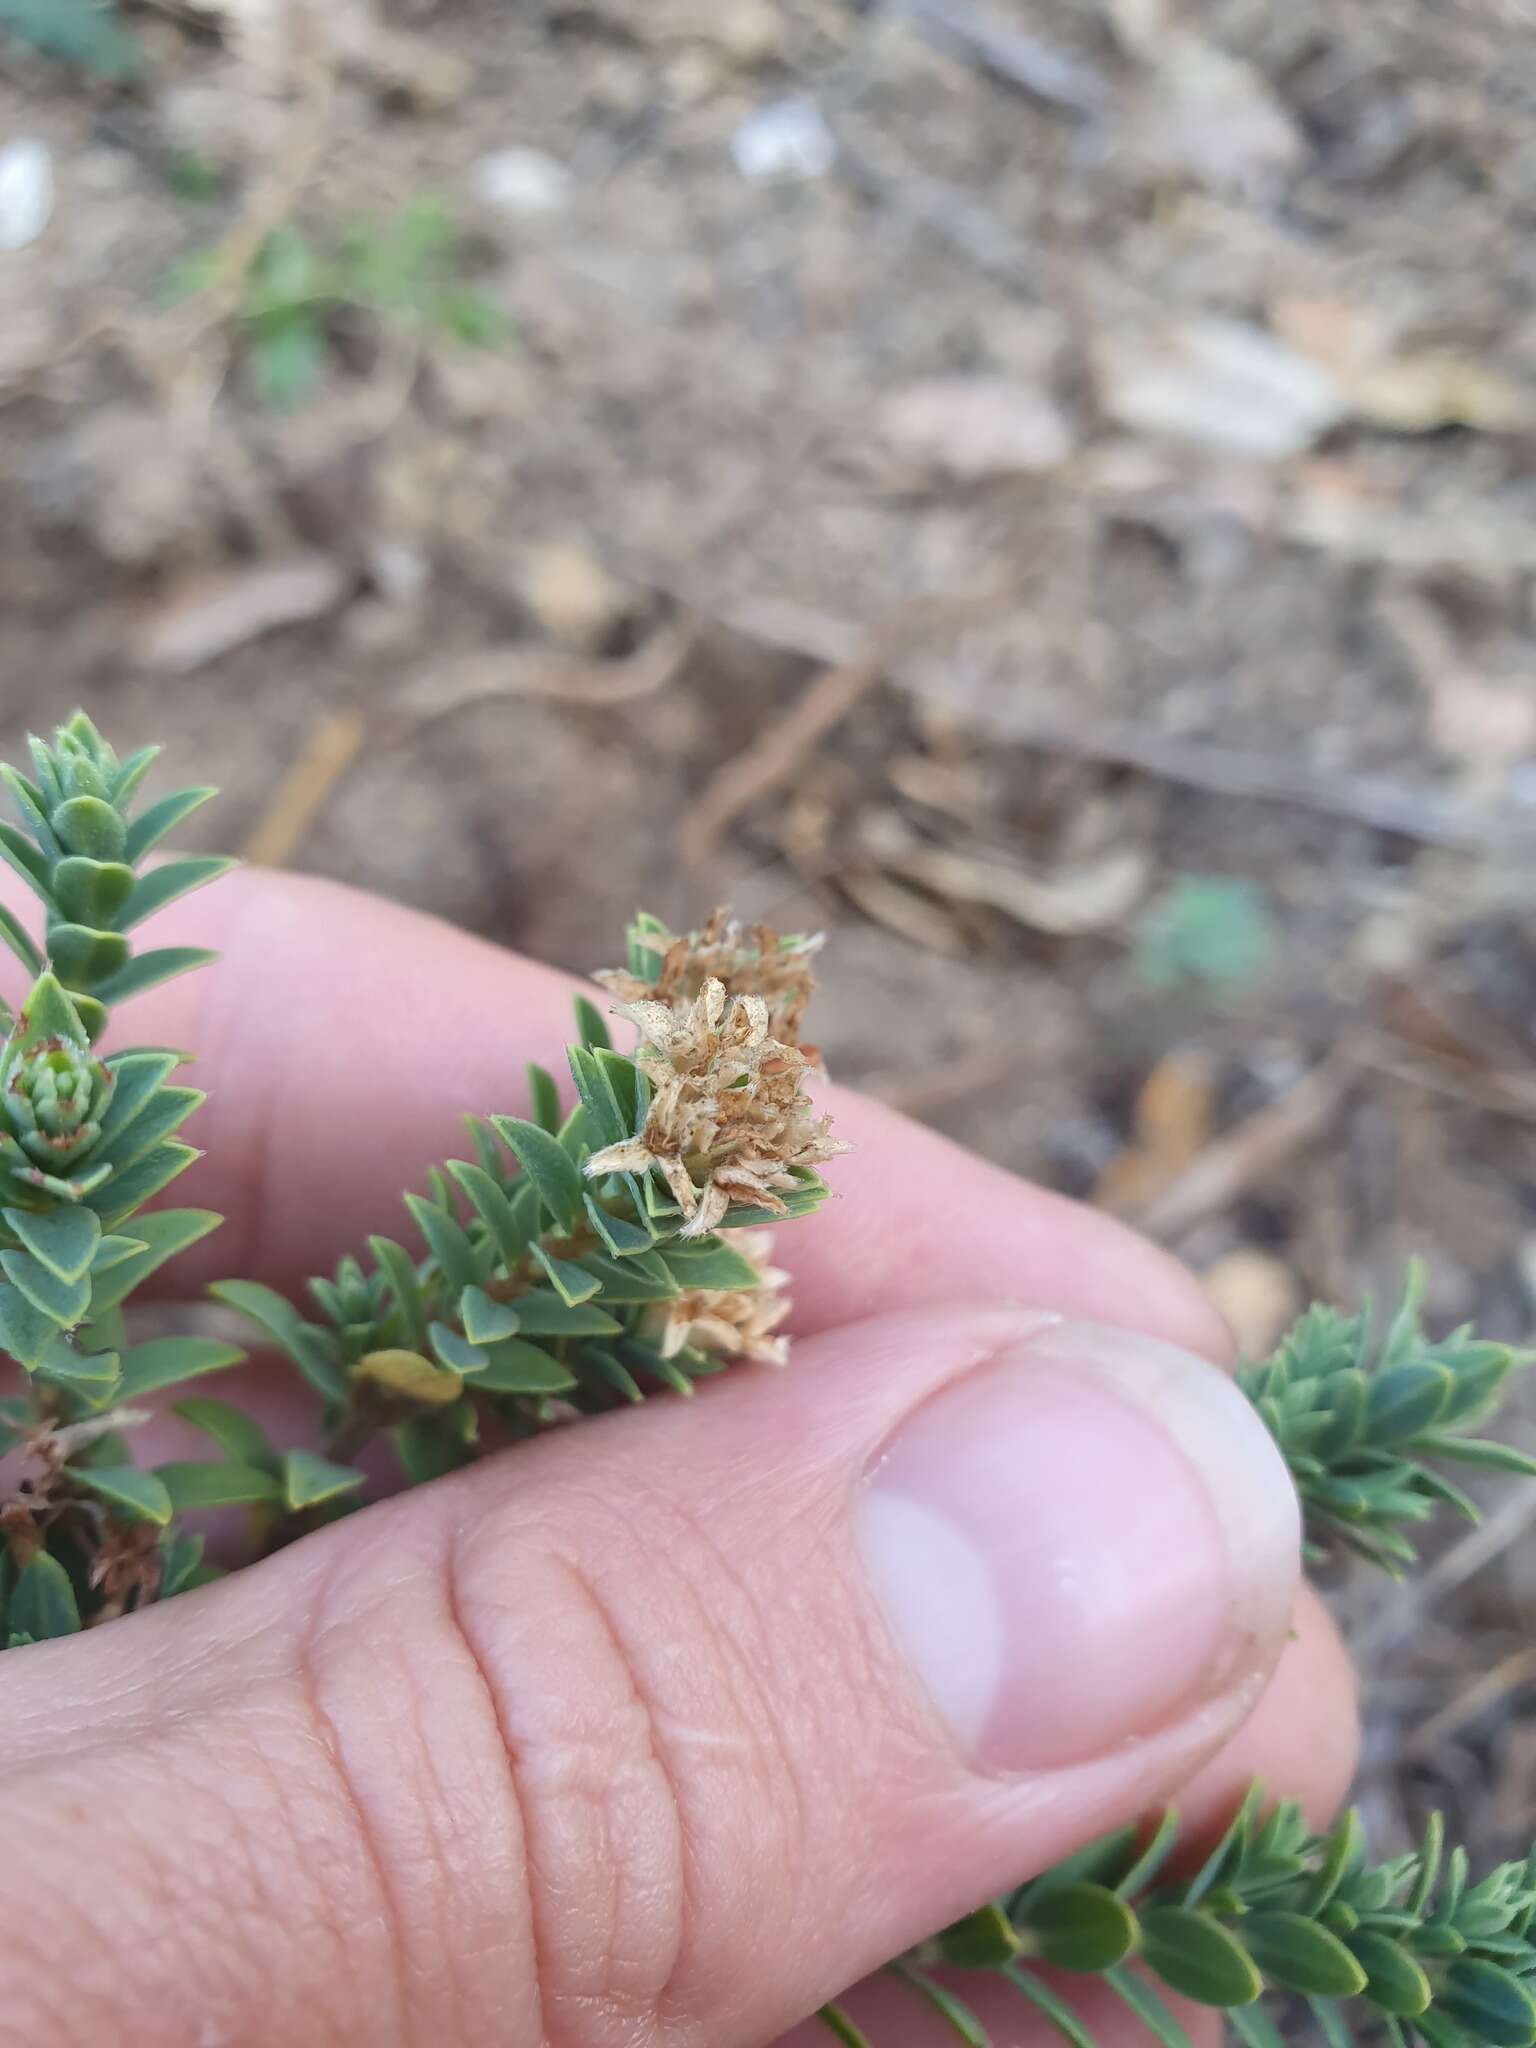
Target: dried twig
(330, 749)
(1380, 802)
(494, 675)
(772, 758)
(774, 755)
(1031, 66)
(1485, 1691)
(1248, 1154)
(1403, 1610)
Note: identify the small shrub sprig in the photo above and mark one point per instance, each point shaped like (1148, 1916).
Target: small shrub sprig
(86, 1142)
(584, 1259)
(578, 1261)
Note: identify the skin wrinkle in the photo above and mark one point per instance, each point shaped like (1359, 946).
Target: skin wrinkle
(437, 1810)
(615, 1677)
(306, 1671)
(636, 1695)
(452, 1571)
(640, 1696)
(734, 1657)
(297, 1805)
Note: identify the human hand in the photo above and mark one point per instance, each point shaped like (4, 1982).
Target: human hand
(657, 1732)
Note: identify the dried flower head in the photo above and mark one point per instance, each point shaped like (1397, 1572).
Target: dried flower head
(729, 1119)
(734, 1322)
(749, 960)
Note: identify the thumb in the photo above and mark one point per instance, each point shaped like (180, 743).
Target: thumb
(660, 1730)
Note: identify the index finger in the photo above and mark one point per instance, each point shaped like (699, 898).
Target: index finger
(342, 1039)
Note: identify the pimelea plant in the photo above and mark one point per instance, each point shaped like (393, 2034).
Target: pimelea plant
(581, 1261)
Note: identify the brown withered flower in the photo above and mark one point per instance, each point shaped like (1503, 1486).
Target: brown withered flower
(750, 960)
(729, 1117)
(736, 1322)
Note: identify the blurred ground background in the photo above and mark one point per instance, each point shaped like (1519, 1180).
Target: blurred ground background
(1043, 493)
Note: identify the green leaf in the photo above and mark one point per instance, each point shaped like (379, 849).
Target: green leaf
(91, 892)
(85, 33)
(426, 1451)
(14, 933)
(543, 1098)
(86, 824)
(1227, 1847)
(1052, 2008)
(147, 970)
(126, 1192)
(131, 773)
(842, 2027)
(1489, 1456)
(629, 1280)
(455, 1353)
(1494, 2006)
(25, 1331)
(1393, 1980)
(1301, 1955)
(17, 850)
(1254, 2027)
(288, 360)
(1197, 1957)
(162, 816)
(34, 806)
(486, 1321)
(47, 1013)
(166, 884)
(597, 1098)
(181, 1562)
(983, 1940)
(1160, 1845)
(709, 1264)
(622, 1237)
(193, 1483)
(962, 2022)
(513, 1367)
(140, 1494)
(42, 1603)
(572, 1282)
(162, 1235)
(302, 1342)
(1406, 1400)
(65, 1302)
(631, 1090)
(93, 1375)
(168, 1361)
(63, 1240)
(1079, 1927)
(448, 1244)
(493, 1208)
(136, 1077)
(542, 1314)
(238, 1435)
(547, 1165)
(161, 1113)
(398, 1267)
(83, 958)
(1209, 929)
(591, 1026)
(1143, 2001)
(310, 1481)
(602, 1365)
